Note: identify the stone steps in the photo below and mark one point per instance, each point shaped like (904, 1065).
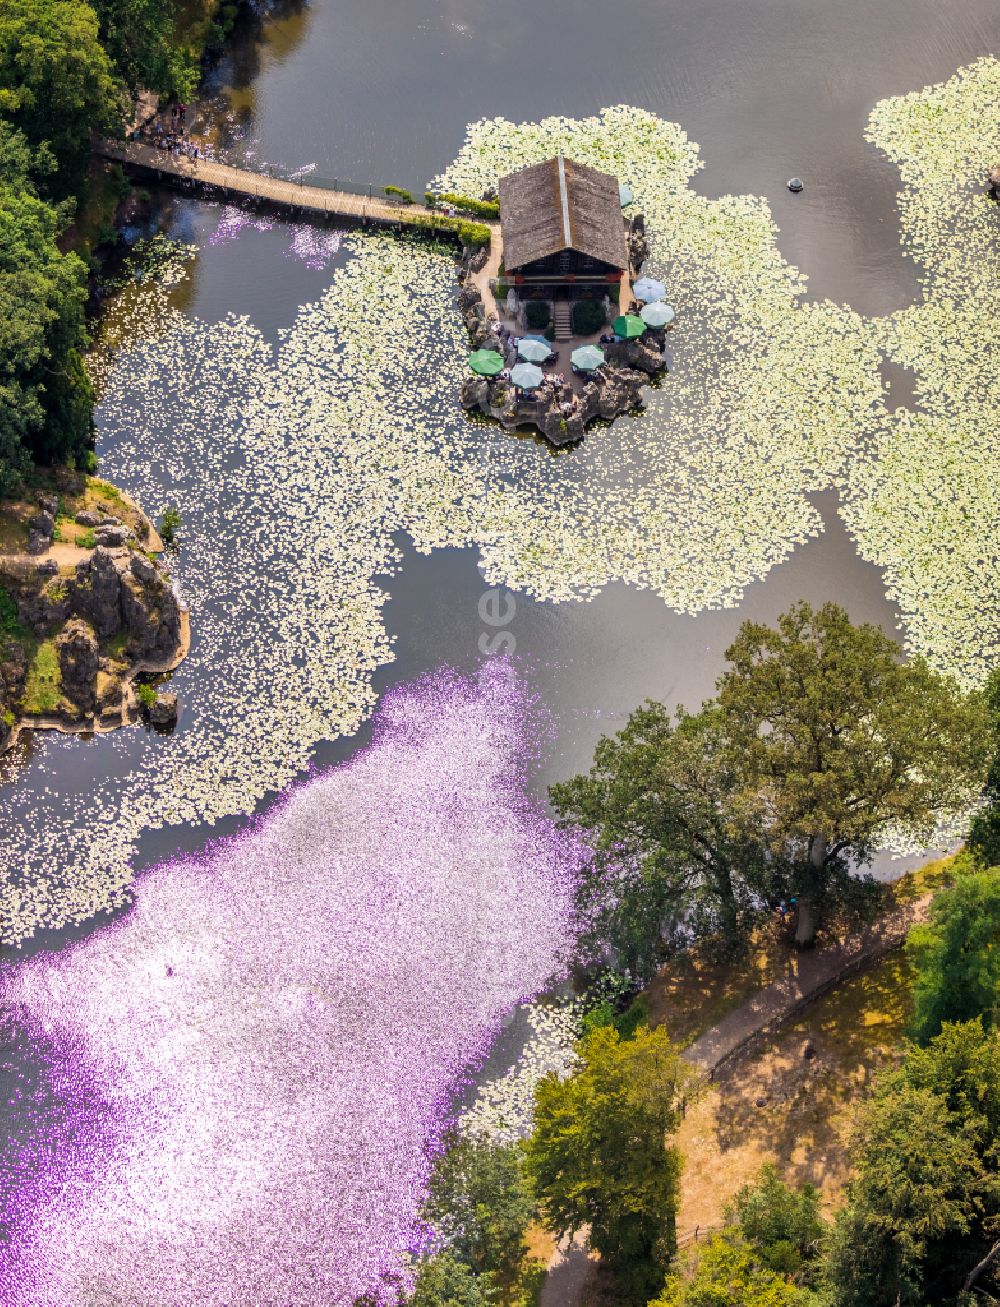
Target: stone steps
(562, 321)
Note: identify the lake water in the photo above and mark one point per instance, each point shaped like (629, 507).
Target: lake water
(382, 92)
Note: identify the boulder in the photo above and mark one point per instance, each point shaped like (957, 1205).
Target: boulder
(97, 593)
(480, 259)
(590, 402)
(113, 537)
(87, 518)
(42, 522)
(143, 569)
(560, 429)
(108, 693)
(49, 504)
(163, 713)
(469, 296)
(634, 354)
(151, 615)
(43, 604)
(79, 657)
(37, 542)
(47, 567)
(475, 392)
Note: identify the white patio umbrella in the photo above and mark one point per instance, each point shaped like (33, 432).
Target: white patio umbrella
(587, 358)
(526, 376)
(535, 351)
(658, 314)
(649, 289)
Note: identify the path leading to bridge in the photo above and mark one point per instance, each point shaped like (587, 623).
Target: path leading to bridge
(296, 197)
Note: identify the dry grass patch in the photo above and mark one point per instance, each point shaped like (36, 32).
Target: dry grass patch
(693, 992)
(775, 1105)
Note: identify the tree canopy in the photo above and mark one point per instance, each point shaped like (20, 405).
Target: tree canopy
(922, 1212)
(984, 836)
(726, 1271)
(659, 799)
(141, 38)
(599, 1154)
(780, 788)
(480, 1204)
(57, 83)
(45, 399)
(839, 737)
(446, 1281)
(957, 956)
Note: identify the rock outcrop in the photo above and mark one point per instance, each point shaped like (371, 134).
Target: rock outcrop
(116, 612)
(163, 713)
(79, 659)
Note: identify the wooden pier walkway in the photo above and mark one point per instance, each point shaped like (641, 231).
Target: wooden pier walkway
(295, 197)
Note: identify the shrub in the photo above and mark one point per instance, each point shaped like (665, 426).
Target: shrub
(86, 539)
(397, 192)
(472, 233)
(588, 317)
(537, 314)
(481, 208)
(9, 625)
(169, 525)
(146, 696)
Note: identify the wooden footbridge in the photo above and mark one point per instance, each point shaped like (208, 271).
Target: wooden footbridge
(296, 198)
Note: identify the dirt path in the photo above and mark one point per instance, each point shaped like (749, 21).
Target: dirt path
(762, 1013)
(568, 1269)
(814, 974)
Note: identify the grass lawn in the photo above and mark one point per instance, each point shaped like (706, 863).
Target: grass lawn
(43, 690)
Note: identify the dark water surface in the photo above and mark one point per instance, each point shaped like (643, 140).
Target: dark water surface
(383, 92)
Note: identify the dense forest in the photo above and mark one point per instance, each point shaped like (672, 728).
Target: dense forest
(68, 68)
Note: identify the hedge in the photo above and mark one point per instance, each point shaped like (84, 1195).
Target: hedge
(588, 316)
(481, 208)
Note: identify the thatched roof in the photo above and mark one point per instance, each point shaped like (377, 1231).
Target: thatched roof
(561, 205)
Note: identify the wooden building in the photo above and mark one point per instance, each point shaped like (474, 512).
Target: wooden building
(563, 231)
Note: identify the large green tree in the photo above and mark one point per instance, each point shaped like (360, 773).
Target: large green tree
(57, 83)
(599, 1154)
(45, 398)
(480, 1204)
(781, 787)
(781, 1224)
(141, 38)
(446, 1281)
(726, 1271)
(659, 800)
(921, 1223)
(957, 956)
(836, 737)
(984, 836)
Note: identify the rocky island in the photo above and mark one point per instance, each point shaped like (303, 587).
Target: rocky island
(560, 272)
(87, 610)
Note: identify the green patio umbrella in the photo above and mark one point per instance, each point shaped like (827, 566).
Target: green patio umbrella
(487, 362)
(535, 351)
(587, 358)
(628, 325)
